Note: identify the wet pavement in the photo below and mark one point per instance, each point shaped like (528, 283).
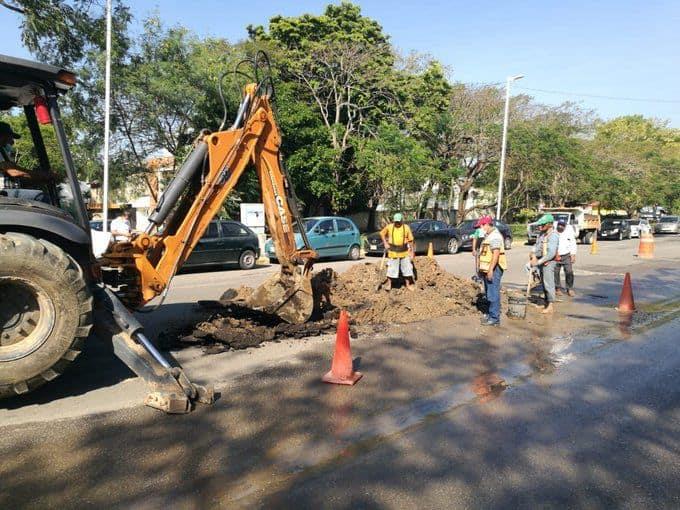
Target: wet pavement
(582, 411)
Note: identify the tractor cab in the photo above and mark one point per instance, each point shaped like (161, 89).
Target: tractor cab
(29, 93)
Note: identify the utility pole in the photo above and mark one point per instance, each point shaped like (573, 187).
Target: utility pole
(107, 127)
(501, 174)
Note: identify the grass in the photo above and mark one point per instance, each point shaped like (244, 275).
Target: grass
(519, 231)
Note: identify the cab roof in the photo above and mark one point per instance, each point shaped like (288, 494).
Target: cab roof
(21, 80)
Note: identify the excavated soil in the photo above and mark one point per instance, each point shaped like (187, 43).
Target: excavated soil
(436, 293)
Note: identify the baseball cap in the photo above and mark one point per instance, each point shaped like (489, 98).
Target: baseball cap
(6, 129)
(484, 220)
(545, 219)
(398, 217)
(562, 223)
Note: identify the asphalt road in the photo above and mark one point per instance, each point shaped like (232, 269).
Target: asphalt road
(582, 411)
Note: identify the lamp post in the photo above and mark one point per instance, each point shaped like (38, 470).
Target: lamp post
(107, 114)
(509, 80)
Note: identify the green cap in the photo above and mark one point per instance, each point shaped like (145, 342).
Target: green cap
(546, 219)
(398, 217)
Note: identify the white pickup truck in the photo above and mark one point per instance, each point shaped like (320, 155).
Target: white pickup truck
(585, 224)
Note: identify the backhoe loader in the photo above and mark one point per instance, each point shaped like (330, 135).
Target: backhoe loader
(52, 290)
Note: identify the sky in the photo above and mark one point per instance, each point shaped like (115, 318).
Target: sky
(626, 52)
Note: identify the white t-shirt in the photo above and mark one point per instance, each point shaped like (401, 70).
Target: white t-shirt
(121, 224)
(567, 245)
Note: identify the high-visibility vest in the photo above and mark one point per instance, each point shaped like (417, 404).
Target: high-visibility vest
(544, 247)
(486, 256)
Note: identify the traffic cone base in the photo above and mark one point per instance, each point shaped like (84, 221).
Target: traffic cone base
(332, 379)
(626, 301)
(342, 370)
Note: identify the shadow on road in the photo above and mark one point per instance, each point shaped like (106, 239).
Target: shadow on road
(282, 432)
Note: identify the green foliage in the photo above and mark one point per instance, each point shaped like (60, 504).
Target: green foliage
(25, 154)
(361, 125)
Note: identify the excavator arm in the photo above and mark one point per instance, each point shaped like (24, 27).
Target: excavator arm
(147, 263)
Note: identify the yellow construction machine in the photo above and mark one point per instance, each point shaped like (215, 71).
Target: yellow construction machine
(44, 331)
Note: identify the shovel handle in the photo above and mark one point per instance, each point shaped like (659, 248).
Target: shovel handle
(382, 261)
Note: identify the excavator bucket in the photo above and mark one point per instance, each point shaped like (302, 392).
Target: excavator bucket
(287, 294)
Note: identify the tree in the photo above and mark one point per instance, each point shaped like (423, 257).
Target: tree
(470, 135)
(396, 165)
(63, 31)
(639, 156)
(340, 62)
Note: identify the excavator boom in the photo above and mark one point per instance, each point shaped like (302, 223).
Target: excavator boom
(147, 263)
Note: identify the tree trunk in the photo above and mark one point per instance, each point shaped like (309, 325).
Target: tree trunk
(462, 201)
(370, 223)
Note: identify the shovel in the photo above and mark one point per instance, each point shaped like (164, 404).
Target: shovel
(383, 279)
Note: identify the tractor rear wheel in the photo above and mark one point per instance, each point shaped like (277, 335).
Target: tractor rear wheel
(45, 316)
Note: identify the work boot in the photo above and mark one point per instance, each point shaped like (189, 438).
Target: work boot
(490, 322)
(558, 291)
(410, 286)
(548, 309)
(571, 293)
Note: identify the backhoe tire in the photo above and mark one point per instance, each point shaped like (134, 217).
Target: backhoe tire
(45, 312)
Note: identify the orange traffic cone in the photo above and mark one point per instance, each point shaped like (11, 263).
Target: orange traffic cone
(626, 301)
(430, 251)
(646, 247)
(593, 247)
(341, 371)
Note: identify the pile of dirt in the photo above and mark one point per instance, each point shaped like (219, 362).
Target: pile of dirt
(436, 293)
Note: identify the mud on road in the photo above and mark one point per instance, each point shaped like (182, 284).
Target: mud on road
(437, 293)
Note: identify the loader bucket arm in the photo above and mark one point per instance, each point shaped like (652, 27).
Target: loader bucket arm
(149, 261)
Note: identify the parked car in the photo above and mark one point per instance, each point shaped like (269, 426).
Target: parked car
(615, 228)
(467, 227)
(330, 236)
(444, 238)
(668, 225)
(225, 242)
(640, 226)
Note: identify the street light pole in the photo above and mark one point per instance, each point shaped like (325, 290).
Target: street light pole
(107, 114)
(509, 80)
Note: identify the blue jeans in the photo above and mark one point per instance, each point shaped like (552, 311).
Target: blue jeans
(493, 294)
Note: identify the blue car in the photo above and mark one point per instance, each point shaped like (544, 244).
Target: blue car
(330, 236)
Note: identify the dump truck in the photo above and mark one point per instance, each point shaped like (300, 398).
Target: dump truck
(54, 294)
(584, 223)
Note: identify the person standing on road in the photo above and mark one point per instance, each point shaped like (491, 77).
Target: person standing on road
(492, 264)
(566, 251)
(397, 239)
(545, 258)
(121, 228)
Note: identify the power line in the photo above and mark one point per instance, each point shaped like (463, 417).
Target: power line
(614, 98)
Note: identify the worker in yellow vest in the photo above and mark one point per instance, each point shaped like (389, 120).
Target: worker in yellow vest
(397, 239)
(492, 265)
